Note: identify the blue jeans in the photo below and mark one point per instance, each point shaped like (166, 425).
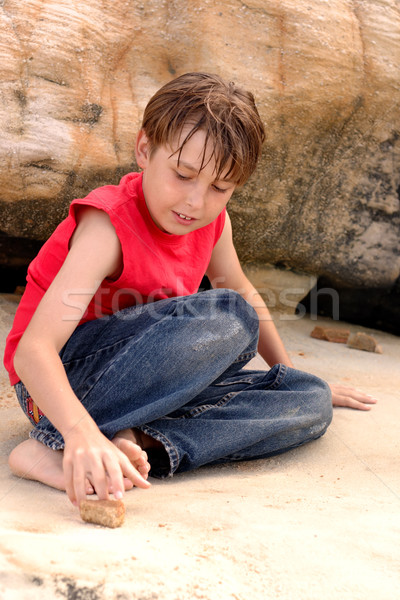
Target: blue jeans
(174, 370)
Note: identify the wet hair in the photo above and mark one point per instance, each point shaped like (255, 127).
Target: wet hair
(226, 113)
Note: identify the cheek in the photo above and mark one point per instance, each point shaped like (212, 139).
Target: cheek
(170, 185)
(219, 204)
(214, 210)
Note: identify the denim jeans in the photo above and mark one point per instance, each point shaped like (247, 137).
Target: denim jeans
(174, 370)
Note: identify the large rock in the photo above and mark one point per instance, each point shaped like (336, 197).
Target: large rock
(76, 76)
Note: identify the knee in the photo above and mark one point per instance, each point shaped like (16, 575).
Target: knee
(233, 307)
(239, 320)
(230, 320)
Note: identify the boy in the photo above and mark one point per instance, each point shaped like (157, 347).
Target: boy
(119, 364)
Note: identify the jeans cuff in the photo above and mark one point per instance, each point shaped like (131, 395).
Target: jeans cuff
(163, 463)
(48, 439)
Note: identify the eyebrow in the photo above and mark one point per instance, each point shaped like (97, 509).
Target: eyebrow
(194, 170)
(187, 166)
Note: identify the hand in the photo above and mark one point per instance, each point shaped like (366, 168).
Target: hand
(342, 395)
(90, 456)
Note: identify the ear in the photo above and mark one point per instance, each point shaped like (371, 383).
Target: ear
(142, 149)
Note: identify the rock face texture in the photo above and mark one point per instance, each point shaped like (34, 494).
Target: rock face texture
(76, 76)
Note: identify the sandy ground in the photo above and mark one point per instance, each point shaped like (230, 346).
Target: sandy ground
(322, 521)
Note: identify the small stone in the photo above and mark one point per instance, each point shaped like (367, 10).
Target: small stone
(362, 341)
(330, 334)
(108, 513)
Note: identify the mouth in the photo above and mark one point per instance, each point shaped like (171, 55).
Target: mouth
(184, 217)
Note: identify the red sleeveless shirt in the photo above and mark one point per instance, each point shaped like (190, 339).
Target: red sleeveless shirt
(156, 265)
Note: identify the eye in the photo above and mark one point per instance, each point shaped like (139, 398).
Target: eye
(220, 190)
(181, 177)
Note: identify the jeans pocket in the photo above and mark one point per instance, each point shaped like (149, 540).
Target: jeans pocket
(266, 379)
(29, 407)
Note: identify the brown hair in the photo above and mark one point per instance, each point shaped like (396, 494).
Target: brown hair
(226, 113)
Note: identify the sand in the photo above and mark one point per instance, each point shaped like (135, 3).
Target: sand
(322, 521)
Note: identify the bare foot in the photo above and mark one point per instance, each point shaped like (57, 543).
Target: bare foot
(33, 460)
(130, 443)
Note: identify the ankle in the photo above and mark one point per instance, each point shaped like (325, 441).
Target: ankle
(145, 441)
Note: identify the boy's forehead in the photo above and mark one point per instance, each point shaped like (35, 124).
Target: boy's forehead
(196, 169)
(196, 153)
(223, 177)
(188, 143)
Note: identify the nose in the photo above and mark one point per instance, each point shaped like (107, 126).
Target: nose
(196, 197)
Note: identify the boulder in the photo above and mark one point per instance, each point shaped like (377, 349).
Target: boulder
(326, 75)
(281, 289)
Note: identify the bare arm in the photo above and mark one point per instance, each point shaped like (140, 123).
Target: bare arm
(224, 270)
(95, 253)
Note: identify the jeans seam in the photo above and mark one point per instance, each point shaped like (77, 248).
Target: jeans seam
(282, 370)
(227, 382)
(200, 410)
(75, 361)
(247, 356)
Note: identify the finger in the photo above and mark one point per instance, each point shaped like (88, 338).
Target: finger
(338, 387)
(142, 459)
(142, 464)
(343, 391)
(360, 398)
(88, 486)
(144, 470)
(98, 478)
(133, 461)
(129, 471)
(116, 482)
(79, 481)
(136, 455)
(357, 395)
(358, 405)
(368, 400)
(128, 485)
(349, 402)
(68, 477)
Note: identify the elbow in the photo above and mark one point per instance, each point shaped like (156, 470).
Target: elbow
(28, 350)
(21, 357)
(32, 353)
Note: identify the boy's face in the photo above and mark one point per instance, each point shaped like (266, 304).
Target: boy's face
(180, 198)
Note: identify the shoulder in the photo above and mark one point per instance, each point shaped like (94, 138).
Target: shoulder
(90, 220)
(109, 197)
(96, 235)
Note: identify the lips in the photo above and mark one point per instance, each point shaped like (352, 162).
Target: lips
(182, 218)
